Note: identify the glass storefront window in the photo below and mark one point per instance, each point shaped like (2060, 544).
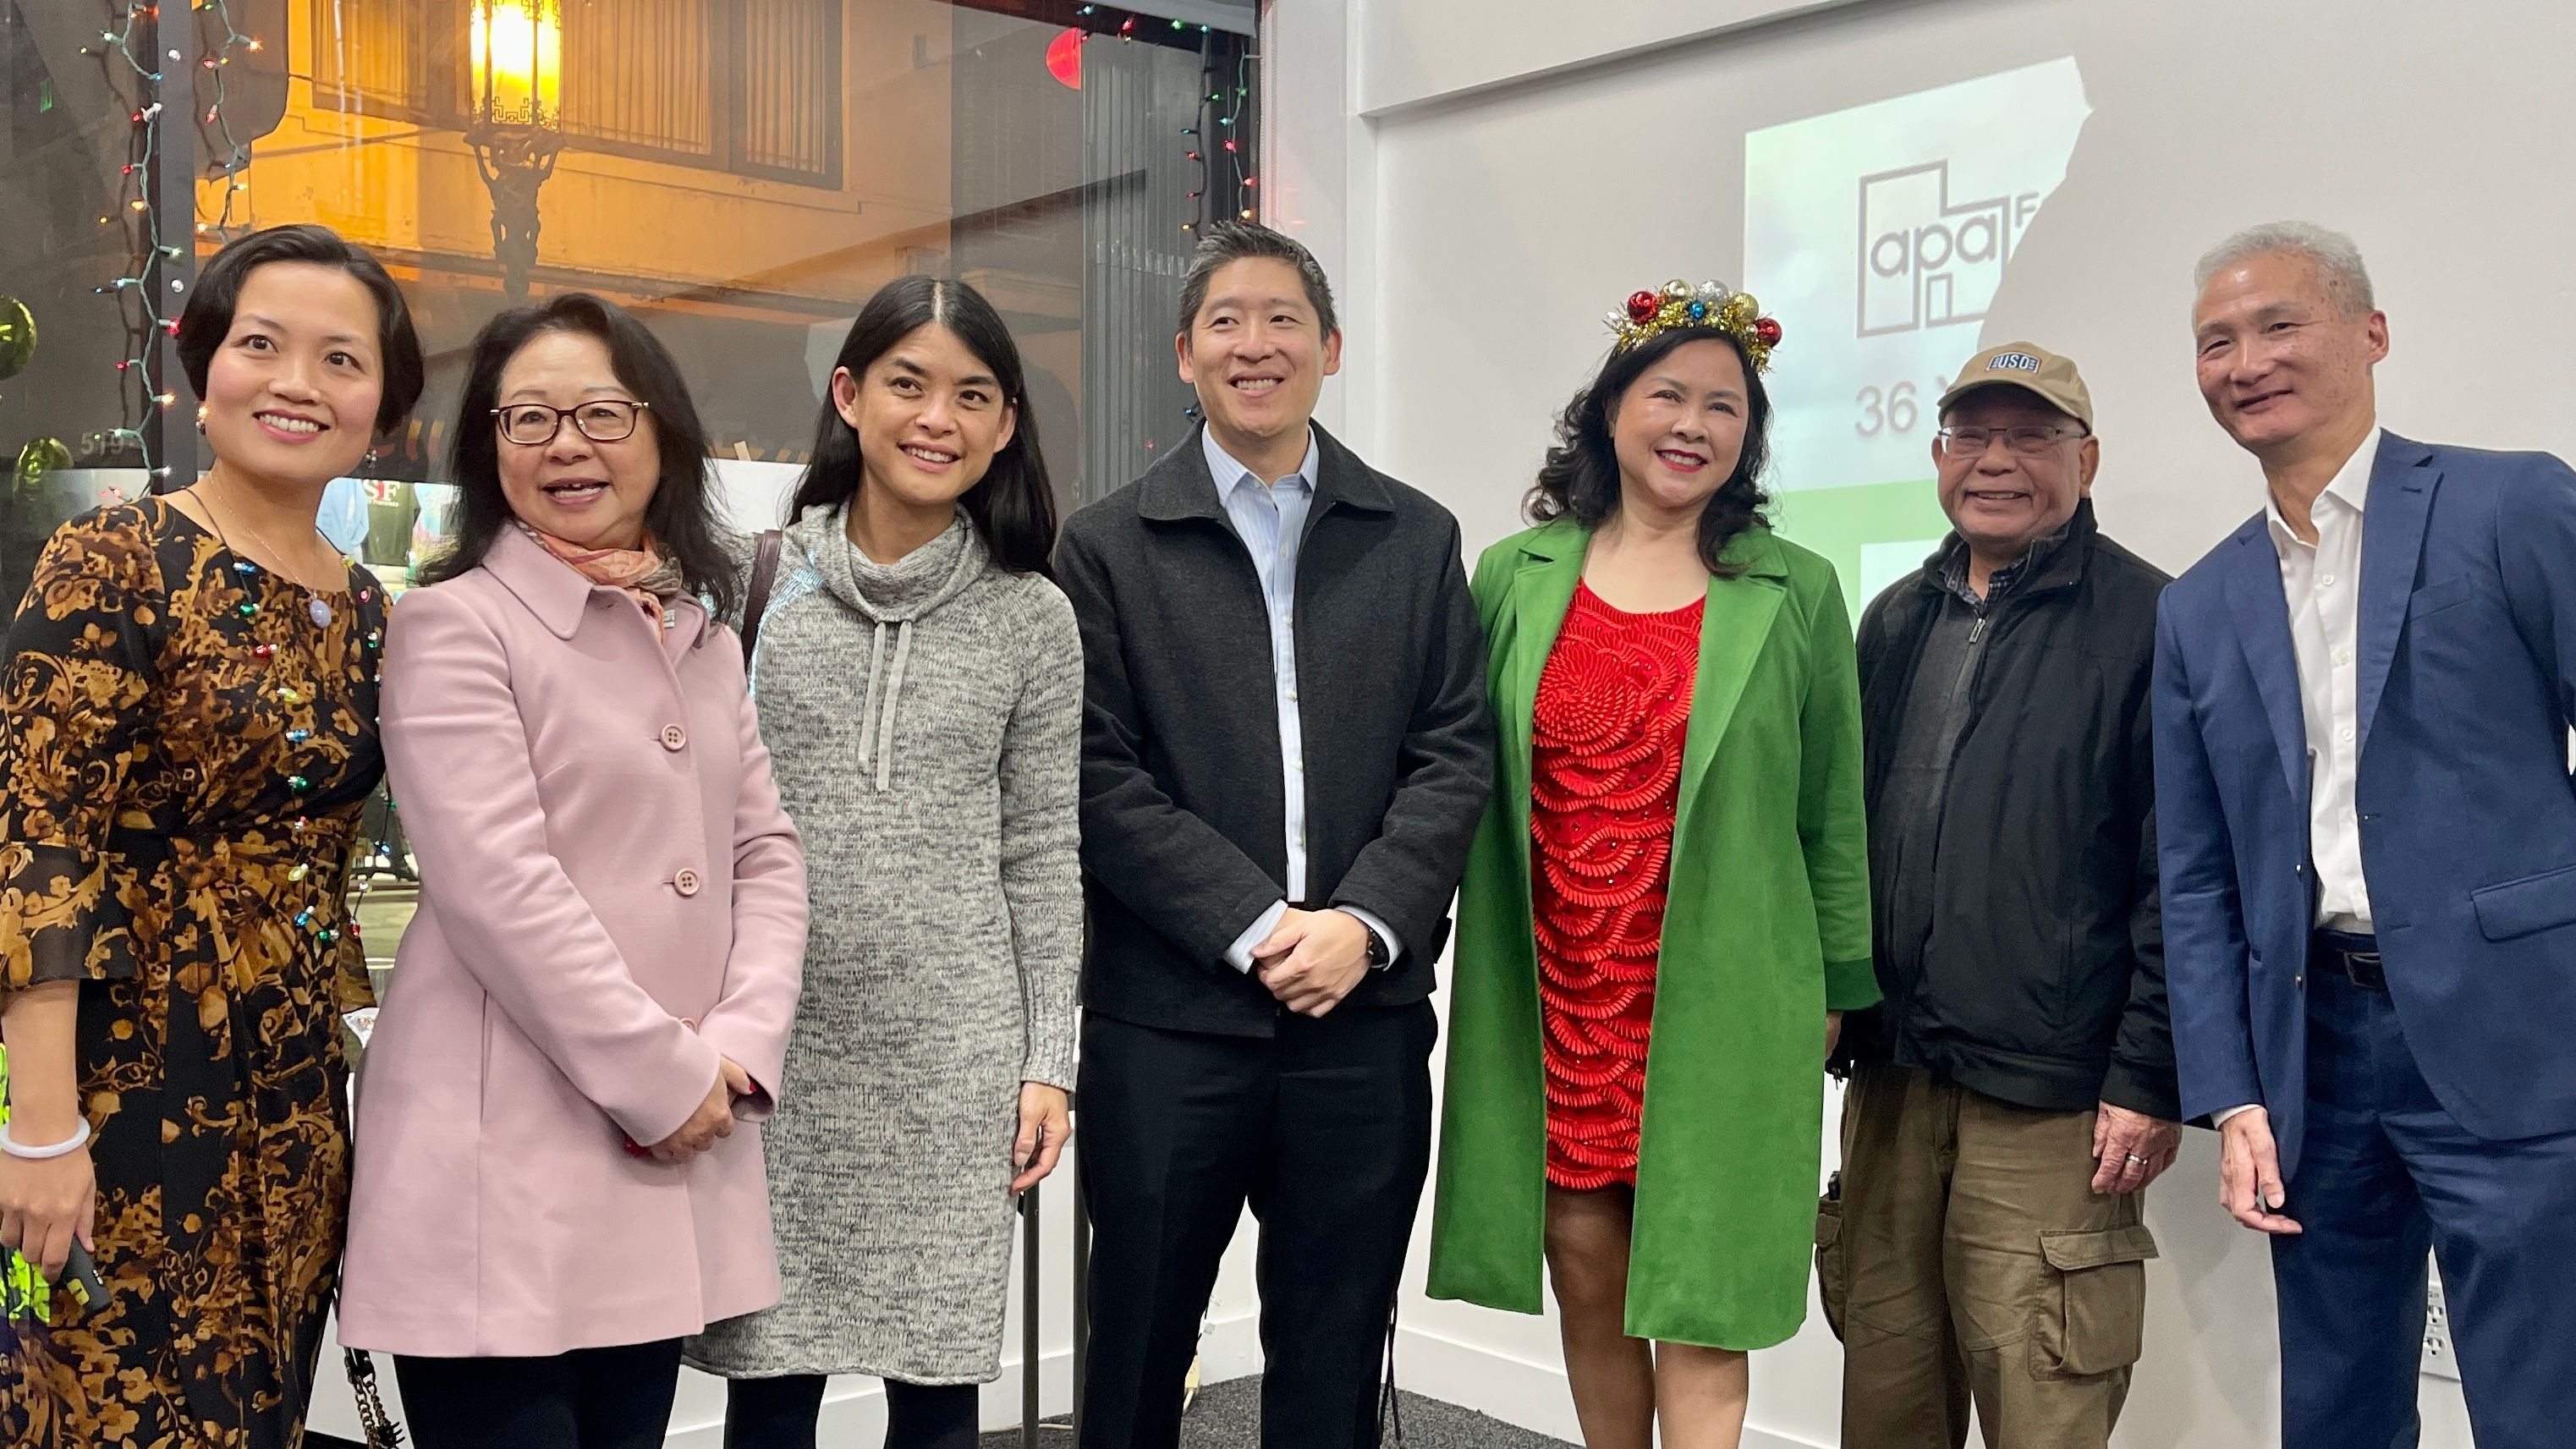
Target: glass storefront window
(741, 173)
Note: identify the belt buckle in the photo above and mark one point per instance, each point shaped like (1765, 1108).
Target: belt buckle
(2363, 969)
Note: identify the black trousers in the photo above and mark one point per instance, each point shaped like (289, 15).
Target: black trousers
(780, 1413)
(591, 1398)
(1325, 1130)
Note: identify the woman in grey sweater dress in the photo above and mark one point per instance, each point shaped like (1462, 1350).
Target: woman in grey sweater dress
(919, 682)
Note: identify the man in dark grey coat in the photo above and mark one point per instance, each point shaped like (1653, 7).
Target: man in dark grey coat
(1285, 750)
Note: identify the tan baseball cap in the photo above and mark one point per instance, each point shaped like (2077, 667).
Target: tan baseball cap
(2034, 369)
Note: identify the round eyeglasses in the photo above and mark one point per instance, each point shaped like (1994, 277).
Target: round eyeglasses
(2029, 442)
(604, 420)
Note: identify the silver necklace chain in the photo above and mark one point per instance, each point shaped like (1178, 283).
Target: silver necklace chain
(199, 488)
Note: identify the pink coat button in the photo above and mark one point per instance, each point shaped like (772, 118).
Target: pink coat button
(686, 882)
(674, 737)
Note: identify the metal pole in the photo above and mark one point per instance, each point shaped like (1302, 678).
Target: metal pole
(170, 433)
(1029, 1361)
(1081, 1298)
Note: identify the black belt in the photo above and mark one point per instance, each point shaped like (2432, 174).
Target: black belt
(2354, 958)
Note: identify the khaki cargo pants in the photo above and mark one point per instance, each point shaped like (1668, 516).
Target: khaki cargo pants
(1968, 1258)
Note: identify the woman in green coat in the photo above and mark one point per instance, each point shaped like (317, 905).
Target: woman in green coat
(1666, 908)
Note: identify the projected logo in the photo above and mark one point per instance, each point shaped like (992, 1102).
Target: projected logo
(1925, 260)
(1889, 226)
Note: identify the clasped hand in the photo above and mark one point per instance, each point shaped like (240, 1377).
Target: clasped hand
(1312, 959)
(713, 1121)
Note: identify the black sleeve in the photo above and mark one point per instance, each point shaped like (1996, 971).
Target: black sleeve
(1166, 864)
(1407, 875)
(2142, 1076)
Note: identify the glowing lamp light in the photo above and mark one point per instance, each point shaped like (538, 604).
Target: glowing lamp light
(516, 50)
(1064, 59)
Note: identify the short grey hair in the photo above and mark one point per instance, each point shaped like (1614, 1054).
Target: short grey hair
(1226, 242)
(2333, 254)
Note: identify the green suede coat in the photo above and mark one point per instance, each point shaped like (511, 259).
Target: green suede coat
(1766, 927)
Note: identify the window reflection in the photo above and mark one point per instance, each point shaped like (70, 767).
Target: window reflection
(741, 173)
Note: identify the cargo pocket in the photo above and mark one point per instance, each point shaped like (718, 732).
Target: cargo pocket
(1833, 1274)
(2093, 1313)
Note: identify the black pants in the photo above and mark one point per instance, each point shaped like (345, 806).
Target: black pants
(592, 1398)
(779, 1413)
(1325, 1130)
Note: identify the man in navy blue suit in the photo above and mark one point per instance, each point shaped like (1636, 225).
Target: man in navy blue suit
(2367, 831)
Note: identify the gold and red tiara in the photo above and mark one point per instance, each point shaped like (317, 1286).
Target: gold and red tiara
(1710, 304)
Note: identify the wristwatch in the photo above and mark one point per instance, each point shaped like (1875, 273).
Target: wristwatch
(1378, 955)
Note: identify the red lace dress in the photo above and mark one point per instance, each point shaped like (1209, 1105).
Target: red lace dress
(1605, 770)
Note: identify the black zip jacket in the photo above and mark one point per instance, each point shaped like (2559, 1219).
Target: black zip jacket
(2041, 977)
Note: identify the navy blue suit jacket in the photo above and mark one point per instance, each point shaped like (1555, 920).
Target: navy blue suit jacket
(2467, 689)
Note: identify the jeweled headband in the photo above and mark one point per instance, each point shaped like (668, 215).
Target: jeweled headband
(1710, 304)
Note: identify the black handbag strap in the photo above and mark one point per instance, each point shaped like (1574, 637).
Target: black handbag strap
(381, 1430)
(764, 572)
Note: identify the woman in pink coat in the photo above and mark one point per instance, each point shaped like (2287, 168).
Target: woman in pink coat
(559, 1170)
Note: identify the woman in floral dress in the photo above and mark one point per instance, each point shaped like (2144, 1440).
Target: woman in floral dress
(190, 701)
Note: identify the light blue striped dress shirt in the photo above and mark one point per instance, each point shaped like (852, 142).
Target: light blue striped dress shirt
(1270, 518)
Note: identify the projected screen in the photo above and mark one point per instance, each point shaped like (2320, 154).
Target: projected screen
(1885, 230)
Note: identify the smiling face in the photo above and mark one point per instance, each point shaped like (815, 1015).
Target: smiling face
(1678, 430)
(2279, 362)
(292, 392)
(1257, 354)
(2001, 501)
(583, 492)
(929, 415)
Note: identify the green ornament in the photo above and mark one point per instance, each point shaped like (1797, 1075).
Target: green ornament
(17, 337)
(40, 457)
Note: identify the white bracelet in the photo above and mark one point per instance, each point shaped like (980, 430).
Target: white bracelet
(64, 1148)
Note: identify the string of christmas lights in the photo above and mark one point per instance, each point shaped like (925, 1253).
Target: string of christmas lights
(1238, 156)
(1212, 131)
(217, 59)
(1207, 142)
(135, 79)
(134, 63)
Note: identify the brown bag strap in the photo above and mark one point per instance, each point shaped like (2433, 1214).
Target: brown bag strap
(764, 572)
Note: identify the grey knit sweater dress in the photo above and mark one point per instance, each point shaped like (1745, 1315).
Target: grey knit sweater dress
(924, 720)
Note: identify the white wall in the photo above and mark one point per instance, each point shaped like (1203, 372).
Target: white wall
(1484, 178)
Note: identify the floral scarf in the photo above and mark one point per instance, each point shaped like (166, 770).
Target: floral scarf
(643, 574)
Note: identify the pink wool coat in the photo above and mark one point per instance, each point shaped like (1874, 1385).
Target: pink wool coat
(611, 897)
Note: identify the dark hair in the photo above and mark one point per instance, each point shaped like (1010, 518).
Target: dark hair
(681, 519)
(1012, 505)
(1581, 475)
(1227, 242)
(208, 318)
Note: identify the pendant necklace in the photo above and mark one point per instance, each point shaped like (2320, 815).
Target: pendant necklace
(316, 607)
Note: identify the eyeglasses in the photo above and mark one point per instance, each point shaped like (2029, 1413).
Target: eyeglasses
(607, 420)
(2029, 442)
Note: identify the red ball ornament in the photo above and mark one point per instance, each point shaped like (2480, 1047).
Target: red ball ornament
(1767, 330)
(1643, 306)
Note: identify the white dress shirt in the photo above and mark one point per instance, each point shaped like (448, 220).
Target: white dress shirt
(2322, 582)
(1270, 518)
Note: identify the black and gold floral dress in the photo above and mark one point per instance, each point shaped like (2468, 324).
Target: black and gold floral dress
(188, 741)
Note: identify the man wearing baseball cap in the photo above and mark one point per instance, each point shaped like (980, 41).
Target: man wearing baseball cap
(2013, 1096)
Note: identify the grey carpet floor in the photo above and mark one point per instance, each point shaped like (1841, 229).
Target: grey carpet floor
(1228, 1416)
